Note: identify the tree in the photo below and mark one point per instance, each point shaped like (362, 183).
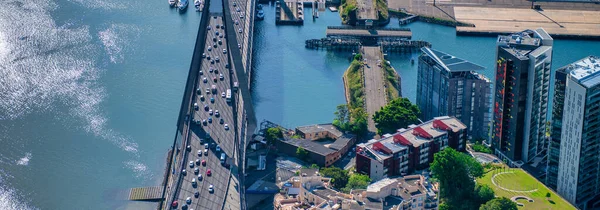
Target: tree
(399, 113)
(357, 181)
(483, 193)
(314, 166)
(301, 153)
(456, 173)
(499, 204)
(274, 134)
(342, 118)
(359, 121)
(358, 57)
(339, 176)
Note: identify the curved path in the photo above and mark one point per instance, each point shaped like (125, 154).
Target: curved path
(515, 191)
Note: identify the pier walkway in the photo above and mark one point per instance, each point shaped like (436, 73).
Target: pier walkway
(343, 31)
(375, 91)
(146, 193)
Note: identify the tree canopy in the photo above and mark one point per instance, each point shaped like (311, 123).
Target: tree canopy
(353, 120)
(499, 204)
(456, 173)
(302, 153)
(274, 134)
(484, 193)
(338, 175)
(399, 113)
(357, 181)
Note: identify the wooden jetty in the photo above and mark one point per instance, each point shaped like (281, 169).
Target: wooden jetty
(345, 31)
(146, 193)
(399, 46)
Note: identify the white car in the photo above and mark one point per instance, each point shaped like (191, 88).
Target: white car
(224, 51)
(206, 152)
(211, 188)
(191, 164)
(199, 152)
(209, 48)
(188, 200)
(226, 127)
(199, 177)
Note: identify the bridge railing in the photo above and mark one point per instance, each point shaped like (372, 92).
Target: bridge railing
(358, 28)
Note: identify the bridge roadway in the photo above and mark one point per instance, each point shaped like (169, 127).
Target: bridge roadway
(224, 179)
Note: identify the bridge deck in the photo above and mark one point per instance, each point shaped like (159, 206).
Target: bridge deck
(368, 33)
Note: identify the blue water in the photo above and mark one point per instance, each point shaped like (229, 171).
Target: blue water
(90, 90)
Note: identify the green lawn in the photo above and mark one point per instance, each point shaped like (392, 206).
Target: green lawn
(519, 180)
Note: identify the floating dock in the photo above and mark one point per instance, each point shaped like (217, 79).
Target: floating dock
(399, 46)
(344, 31)
(558, 23)
(146, 193)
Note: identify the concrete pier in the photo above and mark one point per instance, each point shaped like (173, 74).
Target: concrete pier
(558, 23)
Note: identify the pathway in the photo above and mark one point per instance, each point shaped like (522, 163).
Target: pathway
(375, 92)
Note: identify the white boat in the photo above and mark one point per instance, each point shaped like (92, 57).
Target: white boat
(182, 5)
(172, 3)
(198, 4)
(260, 14)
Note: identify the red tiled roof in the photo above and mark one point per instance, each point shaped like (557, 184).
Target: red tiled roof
(379, 146)
(418, 131)
(399, 139)
(441, 125)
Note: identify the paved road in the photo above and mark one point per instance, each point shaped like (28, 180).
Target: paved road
(366, 9)
(375, 92)
(218, 135)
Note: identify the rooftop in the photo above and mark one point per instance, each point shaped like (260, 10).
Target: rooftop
(311, 146)
(449, 62)
(586, 71)
(525, 42)
(320, 128)
(376, 187)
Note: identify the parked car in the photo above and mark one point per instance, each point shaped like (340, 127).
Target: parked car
(191, 164)
(226, 127)
(188, 200)
(196, 170)
(208, 172)
(199, 152)
(218, 148)
(206, 152)
(203, 162)
(221, 121)
(211, 189)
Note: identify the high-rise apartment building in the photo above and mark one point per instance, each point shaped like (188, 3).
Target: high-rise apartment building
(450, 86)
(578, 168)
(558, 102)
(521, 96)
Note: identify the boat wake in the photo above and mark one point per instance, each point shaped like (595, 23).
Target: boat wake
(24, 160)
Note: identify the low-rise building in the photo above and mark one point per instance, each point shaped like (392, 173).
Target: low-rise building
(311, 191)
(324, 143)
(409, 149)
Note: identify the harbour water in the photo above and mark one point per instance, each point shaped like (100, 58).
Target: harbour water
(90, 90)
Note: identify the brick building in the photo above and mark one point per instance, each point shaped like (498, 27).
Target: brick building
(409, 149)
